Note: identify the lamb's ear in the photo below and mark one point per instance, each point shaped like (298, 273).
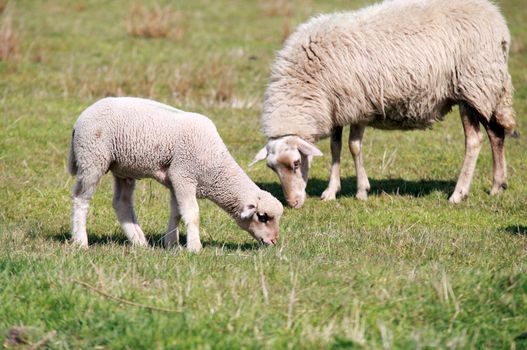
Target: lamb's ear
(248, 212)
(307, 148)
(261, 155)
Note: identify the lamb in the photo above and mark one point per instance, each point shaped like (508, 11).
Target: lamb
(400, 64)
(137, 138)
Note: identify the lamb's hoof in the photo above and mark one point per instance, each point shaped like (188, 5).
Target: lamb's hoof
(457, 197)
(497, 189)
(140, 243)
(194, 246)
(362, 195)
(79, 243)
(329, 195)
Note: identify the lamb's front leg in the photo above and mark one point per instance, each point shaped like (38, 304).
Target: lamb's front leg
(188, 207)
(334, 177)
(473, 142)
(171, 238)
(355, 145)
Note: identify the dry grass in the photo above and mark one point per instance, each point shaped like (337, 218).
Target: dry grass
(212, 84)
(276, 8)
(9, 39)
(155, 22)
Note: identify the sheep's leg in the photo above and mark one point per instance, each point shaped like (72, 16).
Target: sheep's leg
(355, 145)
(334, 178)
(473, 142)
(171, 238)
(124, 208)
(82, 193)
(189, 210)
(496, 135)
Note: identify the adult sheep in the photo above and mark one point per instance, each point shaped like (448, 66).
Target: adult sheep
(401, 64)
(137, 138)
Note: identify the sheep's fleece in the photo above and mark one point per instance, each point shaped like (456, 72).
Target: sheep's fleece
(137, 138)
(400, 64)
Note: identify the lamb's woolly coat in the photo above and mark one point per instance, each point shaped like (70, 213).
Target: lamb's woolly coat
(139, 138)
(400, 64)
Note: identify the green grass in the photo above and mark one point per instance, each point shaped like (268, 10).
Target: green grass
(403, 270)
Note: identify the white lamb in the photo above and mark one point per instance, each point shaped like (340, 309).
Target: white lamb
(401, 64)
(138, 138)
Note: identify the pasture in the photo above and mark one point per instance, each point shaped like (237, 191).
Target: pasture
(403, 270)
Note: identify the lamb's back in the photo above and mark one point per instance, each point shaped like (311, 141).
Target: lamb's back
(142, 136)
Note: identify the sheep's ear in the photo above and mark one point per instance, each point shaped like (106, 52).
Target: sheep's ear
(248, 212)
(261, 155)
(307, 148)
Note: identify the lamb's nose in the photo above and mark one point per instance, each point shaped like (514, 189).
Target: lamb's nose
(273, 241)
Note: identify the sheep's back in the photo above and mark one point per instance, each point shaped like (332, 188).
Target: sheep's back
(399, 64)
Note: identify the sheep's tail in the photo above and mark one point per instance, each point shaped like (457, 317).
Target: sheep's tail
(72, 161)
(504, 114)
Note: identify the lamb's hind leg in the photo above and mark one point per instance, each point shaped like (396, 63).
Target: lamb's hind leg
(473, 142)
(124, 208)
(82, 194)
(355, 145)
(496, 135)
(334, 177)
(171, 238)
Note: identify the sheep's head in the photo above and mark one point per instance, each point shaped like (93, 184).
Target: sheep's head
(289, 157)
(260, 217)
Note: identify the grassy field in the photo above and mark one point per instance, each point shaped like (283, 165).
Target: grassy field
(403, 270)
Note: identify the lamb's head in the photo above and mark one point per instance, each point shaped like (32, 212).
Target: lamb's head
(261, 216)
(289, 157)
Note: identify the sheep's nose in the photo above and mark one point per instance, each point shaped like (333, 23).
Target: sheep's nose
(274, 240)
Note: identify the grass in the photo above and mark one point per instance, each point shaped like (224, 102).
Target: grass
(403, 270)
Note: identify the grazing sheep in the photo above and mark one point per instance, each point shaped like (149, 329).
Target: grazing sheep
(401, 64)
(137, 138)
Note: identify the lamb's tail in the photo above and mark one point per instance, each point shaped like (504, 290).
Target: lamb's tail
(72, 161)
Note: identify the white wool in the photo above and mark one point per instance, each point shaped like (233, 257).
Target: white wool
(137, 138)
(400, 64)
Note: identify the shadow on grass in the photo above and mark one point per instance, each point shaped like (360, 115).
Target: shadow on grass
(517, 230)
(154, 240)
(316, 186)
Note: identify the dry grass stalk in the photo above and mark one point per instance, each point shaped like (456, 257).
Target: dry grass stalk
(276, 8)
(286, 30)
(212, 84)
(153, 22)
(9, 40)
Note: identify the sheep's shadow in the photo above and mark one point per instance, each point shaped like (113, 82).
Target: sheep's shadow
(154, 241)
(419, 188)
(517, 230)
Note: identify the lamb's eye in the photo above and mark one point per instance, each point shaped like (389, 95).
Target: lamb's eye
(296, 164)
(262, 217)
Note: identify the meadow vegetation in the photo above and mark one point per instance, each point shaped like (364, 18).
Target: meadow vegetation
(404, 269)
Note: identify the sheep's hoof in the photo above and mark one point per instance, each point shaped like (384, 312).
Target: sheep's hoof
(498, 188)
(329, 195)
(194, 247)
(457, 197)
(362, 195)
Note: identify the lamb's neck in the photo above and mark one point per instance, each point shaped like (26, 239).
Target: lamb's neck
(228, 186)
